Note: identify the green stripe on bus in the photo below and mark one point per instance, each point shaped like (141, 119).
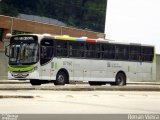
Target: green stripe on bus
(128, 68)
(55, 65)
(20, 68)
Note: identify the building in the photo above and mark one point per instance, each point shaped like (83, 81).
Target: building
(16, 25)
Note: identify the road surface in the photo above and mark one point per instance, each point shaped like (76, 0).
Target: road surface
(94, 102)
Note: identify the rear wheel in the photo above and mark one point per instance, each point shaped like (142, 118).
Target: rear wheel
(61, 78)
(35, 82)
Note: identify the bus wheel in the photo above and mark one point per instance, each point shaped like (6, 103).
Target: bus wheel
(120, 79)
(61, 78)
(35, 82)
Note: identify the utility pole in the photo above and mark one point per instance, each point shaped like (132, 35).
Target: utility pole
(105, 29)
(12, 20)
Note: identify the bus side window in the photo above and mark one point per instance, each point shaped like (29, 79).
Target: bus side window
(135, 53)
(92, 50)
(61, 48)
(97, 51)
(46, 50)
(88, 50)
(76, 49)
(147, 53)
(108, 51)
(122, 52)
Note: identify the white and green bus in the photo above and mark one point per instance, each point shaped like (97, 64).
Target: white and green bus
(43, 58)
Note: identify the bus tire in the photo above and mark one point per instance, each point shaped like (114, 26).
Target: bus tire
(35, 82)
(120, 79)
(61, 78)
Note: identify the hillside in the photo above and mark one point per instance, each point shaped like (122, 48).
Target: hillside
(86, 14)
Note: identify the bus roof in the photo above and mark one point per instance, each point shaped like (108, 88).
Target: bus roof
(85, 39)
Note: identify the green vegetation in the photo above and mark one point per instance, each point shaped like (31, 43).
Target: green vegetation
(8, 10)
(86, 14)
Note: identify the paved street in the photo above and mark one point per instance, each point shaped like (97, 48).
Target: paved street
(23, 85)
(48, 101)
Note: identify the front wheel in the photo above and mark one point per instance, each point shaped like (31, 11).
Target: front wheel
(120, 80)
(61, 78)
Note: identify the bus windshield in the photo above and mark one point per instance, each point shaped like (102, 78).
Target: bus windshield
(23, 53)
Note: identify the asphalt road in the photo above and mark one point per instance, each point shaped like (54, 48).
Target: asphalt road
(79, 102)
(20, 97)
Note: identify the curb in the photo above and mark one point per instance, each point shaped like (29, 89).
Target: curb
(15, 96)
(14, 82)
(87, 88)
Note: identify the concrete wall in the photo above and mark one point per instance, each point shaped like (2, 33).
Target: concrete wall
(3, 65)
(158, 68)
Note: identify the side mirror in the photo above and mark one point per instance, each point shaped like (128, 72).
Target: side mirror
(7, 51)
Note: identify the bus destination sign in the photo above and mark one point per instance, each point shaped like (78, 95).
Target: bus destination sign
(28, 38)
(24, 38)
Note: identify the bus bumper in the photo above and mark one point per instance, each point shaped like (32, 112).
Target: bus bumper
(23, 75)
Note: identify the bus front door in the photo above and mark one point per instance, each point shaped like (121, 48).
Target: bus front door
(45, 72)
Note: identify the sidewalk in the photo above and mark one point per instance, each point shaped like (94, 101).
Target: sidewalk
(51, 87)
(14, 81)
(25, 85)
(144, 83)
(27, 81)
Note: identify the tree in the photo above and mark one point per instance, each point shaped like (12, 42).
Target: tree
(88, 14)
(8, 10)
